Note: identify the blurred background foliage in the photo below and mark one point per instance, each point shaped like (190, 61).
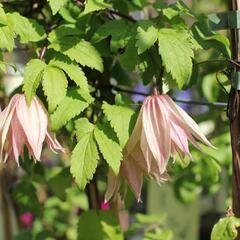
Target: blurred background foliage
(44, 201)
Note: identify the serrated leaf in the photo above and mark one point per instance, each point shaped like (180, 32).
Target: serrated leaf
(79, 50)
(70, 12)
(84, 159)
(130, 57)
(62, 31)
(29, 30)
(120, 118)
(54, 86)
(146, 39)
(32, 77)
(56, 5)
(72, 70)
(95, 5)
(119, 30)
(7, 38)
(72, 105)
(177, 53)
(225, 229)
(83, 126)
(208, 39)
(109, 148)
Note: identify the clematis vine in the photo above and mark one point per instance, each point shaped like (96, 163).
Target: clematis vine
(21, 125)
(162, 130)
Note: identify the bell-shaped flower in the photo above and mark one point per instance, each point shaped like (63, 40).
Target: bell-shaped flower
(162, 130)
(21, 125)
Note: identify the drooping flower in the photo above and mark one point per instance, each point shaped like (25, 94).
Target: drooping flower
(21, 125)
(162, 130)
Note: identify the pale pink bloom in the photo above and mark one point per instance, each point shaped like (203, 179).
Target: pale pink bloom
(162, 130)
(21, 125)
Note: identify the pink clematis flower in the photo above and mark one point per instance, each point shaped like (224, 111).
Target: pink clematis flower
(162, 130)
(21, 125)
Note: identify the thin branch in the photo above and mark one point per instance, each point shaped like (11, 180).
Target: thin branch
(122, 15)
(190, 102)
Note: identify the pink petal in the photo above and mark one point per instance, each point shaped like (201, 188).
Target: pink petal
(53, 143)
(5, 121)
(113, 185)
(136, 134)
(18, 138)
(156, 127)
(133, 175)
(34, 123)
(189, 123)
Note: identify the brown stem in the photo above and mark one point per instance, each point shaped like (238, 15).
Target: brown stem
(5, 206)
(92, 194)
(234, 117)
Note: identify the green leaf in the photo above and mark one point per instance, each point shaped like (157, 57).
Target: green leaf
(60, 182)
(25, 196)
(130, 57)
(95, 5)
(84, 159)
(3, 17)
(79, 50)
(176, 50)
(56, 5)
(72, 69)
(62, 31)
(111, 232)
(32, 77)
(146, 39)
(120, 118)
(83, 127)
(225, 229)
(109, 148)
(209, 39)
(7, 38)
(119, 30)
(96, 229)
(54, 86)
(70, 12)
(29, 30)
(72, 105)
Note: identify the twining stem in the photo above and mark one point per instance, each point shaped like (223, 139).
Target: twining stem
(92, 195)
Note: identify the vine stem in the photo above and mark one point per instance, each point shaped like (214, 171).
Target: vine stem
(234, 117)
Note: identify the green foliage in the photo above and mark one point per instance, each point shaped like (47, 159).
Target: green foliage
(29, 30)
(72, 69)
(79, 50)
(119, 30)
(176, 50)
(146, 39)
(84, 157)
(60, 182)
(120, 118)
(25, 196)
(54, 86)
(71, 105)
(225, 229)
(32, 77)
(101, 223)
(56, 5)
(109, 148)
(95, 5)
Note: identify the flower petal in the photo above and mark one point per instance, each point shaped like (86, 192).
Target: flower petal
(156, 127)
(113, 185)
(34, 122)
(53, 143)
(133, 175)
(190, 124)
